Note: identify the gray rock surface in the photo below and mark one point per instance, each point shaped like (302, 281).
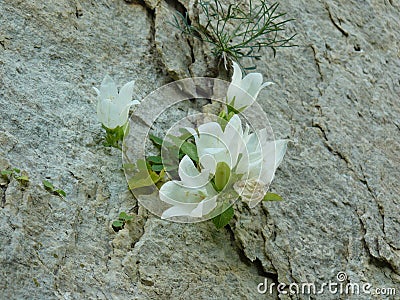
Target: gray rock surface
(336, 98)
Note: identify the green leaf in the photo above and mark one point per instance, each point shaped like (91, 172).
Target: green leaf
(157, 168)
(190, 150)
(222, 174)
(185, 147)
(48, 184)
(181, 155)
(272, 197)
(154, 159)
(22, 178)
(60, 192)
(185, 133)
(122, 215)
(128, 218)
(6, 172)
(224, 218)
(143, 177)
(155, 177)
(156, 140)
(117, 223)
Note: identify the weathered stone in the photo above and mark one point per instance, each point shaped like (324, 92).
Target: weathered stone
(336, 97)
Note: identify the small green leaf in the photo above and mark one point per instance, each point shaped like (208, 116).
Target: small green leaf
(181, 155)
(48, 184)
(272, 197)
(154, 176)
(222, 175)
(22, 178)
(137, 182)
(117, 223)
(190, 150)
(185, 134)
(156, 140)
(231, 111)
(6, 172)
(16, 170)
(157, 168)
(122, 215)
(154, 159)
(60, 192)
(128, 218)
(143, 177)
(185, 147)
(224, 218)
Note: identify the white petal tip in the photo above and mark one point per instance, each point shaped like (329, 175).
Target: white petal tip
(135, 102)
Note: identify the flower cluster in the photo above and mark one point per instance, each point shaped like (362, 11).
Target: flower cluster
(230, 158)
(246, 157)
(217, 162)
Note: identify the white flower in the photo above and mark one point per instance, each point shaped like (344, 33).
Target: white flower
(258, 164)
(249, 155)
(243, 92)
(193, 196)
(113, 107)
(215, 145)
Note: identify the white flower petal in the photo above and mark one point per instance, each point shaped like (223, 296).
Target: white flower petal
(194, 202)
(237, 74)
(108, 88)
(252, 83)
(280, 150)
(265, 84)
(115, 118)
(196, 210)
(190, 176)
(209, 137)
(243, 92)
(177, 211)
(124, 116)
(243, 99)
(273, 153)
(125, 94)
(233, 139)
(174, 193)
(208, 162)
(211, 129)
(104, 106)
(204, 207)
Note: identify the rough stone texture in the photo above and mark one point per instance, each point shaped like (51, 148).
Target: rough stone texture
(337, 98)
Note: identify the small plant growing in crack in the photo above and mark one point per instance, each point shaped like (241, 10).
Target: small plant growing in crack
(236, 31)
(123, 218)
(51, 188)
(15, 173)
